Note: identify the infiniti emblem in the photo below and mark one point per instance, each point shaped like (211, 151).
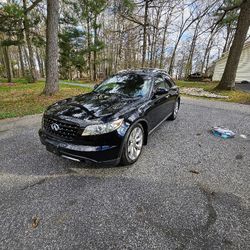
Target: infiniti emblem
(55, 126)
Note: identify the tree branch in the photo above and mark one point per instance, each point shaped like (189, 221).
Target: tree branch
(226, 10)
(132, 19)
(33, 5)
(230, 8)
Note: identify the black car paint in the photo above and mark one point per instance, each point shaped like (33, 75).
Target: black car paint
(93, 108)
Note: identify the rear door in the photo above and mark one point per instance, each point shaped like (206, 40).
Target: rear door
(173, 92)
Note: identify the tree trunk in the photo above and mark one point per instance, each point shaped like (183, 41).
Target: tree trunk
(171, 65)
(26, 58)
(128, 50)
(13, 70)
(206, 65)
(207, 52)
(156, 37)
(89, 49)
(51, 84)
(144, 46)
(28, 40)
(21, 60)
(229, 30)
(7, 63)
(95, 52)
(148, 53)
(189, 65)
(228, 78)
(151, 46)
(163, 42)
(40, 63)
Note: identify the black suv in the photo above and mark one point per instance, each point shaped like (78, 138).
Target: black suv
(111, 124)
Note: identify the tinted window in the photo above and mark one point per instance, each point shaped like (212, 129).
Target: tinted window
(169, 81)
(159, 82)
(129, 84)
(168, 84)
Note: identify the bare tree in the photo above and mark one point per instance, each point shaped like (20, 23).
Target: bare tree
(26, 26)
(145, 23)
(164, 37)
(116, 35)
(186, 23)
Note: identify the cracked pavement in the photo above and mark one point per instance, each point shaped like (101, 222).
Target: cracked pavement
(188, 190)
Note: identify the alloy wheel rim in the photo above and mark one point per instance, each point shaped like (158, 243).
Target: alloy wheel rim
(176, 108)
(135, 142)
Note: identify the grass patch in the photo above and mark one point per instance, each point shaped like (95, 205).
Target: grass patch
(76, 81)
(233, 95)
(203, 85)
(21, 98)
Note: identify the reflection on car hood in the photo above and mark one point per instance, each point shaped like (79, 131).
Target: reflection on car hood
(91, 105)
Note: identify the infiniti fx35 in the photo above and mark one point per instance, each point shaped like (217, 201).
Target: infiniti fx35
(111, 124)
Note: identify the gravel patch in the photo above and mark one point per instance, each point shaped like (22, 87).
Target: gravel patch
(200, 92)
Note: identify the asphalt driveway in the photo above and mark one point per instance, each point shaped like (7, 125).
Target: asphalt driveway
(189, 189)
(243, 87)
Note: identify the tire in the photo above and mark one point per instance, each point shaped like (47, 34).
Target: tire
(134, 139)
(174, 114)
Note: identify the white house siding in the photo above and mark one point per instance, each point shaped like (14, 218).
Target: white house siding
(243, 71)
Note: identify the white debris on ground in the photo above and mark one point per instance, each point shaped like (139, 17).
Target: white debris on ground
(200, 92)
(243, 136)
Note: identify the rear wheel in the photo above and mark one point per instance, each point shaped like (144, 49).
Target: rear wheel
(133, 145)
(175, 110)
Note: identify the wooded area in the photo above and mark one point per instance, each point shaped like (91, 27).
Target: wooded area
(99, 37)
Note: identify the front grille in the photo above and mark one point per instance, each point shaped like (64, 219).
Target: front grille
(63, 129)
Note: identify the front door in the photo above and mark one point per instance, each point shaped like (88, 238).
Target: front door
(160, 106)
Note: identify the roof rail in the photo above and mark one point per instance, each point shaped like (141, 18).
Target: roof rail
(145, 69)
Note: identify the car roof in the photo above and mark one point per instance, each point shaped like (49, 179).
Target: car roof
(146, 71)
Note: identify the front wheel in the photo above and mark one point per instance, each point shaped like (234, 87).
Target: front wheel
(175, 110)
(133, 145)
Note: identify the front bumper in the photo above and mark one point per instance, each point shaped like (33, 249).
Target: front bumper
(105, 154)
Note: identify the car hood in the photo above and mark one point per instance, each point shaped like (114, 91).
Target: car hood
(92, 106)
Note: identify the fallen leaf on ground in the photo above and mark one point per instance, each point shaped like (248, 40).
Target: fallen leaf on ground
(194, 171)
(239, 157)
(35, 222)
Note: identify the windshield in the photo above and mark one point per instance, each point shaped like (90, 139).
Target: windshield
(130, 84)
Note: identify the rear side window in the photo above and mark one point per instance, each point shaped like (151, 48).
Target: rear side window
(169, 81)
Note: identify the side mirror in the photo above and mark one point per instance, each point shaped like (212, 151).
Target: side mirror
(160, 91)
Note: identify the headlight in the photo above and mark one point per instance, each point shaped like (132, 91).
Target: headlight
(98, 129)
